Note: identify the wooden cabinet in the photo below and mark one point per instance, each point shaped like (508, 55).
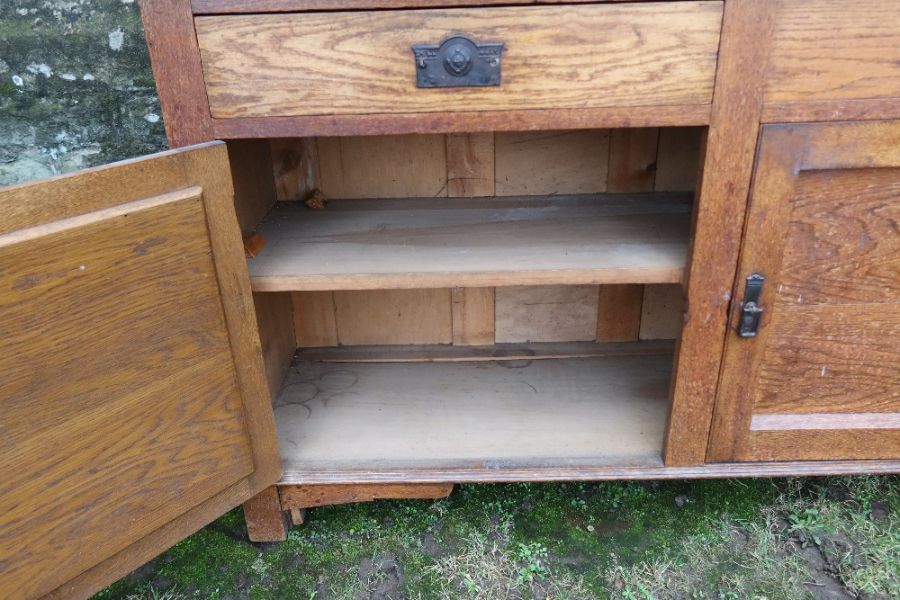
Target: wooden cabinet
(821, 380)
(535, 281)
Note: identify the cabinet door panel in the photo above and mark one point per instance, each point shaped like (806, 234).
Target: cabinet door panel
(822, 378)
(132, 389)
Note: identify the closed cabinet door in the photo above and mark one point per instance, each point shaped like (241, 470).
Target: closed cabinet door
(812, 361)
(133, 404)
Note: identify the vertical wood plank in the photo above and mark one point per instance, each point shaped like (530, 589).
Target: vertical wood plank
(473, 316)
(314, 322)
(619, 313)
(632, 168)
(470, 164)
(662, 312)
(632, 160)
(273, 317)
(251, 172)
(678, 162)
(266, 522)
(551, 162)
(393, 317)
(295, 165)
(389, 166)
(718, 222)
(175, 57)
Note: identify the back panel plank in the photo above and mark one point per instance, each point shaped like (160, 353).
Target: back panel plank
(420, 316)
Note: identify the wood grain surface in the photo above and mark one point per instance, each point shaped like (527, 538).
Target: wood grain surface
(361, 62)
(308, 496)
(471, 121)
(604, 410)
(177, 72)
(821, 51)
(822, 228)
(419, 242)
(417, 316)
(473, 316)
(259, 6)
(718, 222)
(546, 313)
(90, 366)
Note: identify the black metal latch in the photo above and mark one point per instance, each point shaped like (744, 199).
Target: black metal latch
(751, 311)
(457, 62)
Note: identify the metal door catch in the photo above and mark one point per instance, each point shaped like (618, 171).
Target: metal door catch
(751, 311)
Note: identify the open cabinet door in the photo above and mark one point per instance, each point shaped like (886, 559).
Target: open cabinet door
(133, 403)
(821, 378)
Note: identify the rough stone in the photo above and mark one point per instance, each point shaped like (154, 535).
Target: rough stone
(76, 89)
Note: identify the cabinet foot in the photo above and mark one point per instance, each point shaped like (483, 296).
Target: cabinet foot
(265, 517)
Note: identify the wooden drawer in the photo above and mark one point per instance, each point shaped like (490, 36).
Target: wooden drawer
(565, 56)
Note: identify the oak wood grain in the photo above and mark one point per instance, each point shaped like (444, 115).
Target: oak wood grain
(681, 115)
(822, 51)
(308, 496)
(163, 464)
(718, 222)
(175, 59)
(822, 228)
(361, 62)
(260, 6)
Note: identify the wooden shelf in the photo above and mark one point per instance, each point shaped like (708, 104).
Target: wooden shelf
(472, 242)
(606, 408)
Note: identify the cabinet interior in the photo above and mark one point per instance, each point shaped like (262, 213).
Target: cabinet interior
(488, 300)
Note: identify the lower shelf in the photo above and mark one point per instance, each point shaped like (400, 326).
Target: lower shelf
(605, 409)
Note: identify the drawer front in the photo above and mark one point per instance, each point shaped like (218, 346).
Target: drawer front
(569, 56)
(826, 50)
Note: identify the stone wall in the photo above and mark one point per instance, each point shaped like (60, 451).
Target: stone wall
(76, 88)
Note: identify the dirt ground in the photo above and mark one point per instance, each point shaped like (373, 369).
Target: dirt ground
(828, 538)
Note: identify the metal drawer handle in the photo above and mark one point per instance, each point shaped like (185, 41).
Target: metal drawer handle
(458, 62)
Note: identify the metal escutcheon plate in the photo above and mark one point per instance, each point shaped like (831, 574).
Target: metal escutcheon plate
(457, 62)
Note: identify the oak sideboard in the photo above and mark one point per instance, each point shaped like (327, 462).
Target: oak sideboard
(404, 244)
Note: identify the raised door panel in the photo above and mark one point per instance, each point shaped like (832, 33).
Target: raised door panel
(133, 403)
(822, 378)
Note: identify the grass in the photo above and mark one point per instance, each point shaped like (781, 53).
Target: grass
(771, 539)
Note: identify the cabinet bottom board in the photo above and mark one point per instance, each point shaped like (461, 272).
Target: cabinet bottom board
(603, 411)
